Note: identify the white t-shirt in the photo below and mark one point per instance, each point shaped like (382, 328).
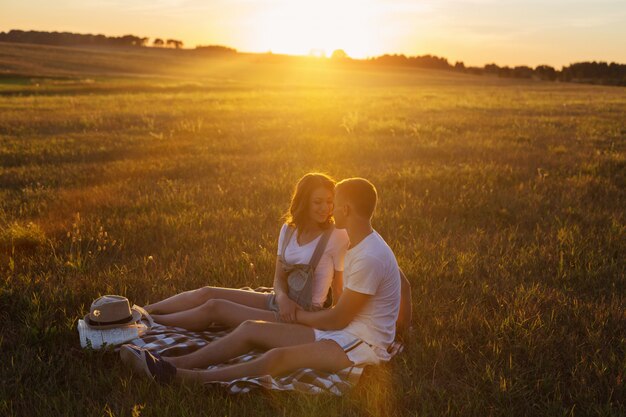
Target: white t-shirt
(371, 268)
(331, 260)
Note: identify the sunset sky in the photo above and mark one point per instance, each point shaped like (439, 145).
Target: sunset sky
(507, 32)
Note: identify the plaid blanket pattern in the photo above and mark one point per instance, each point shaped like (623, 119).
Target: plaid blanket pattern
(174, 341)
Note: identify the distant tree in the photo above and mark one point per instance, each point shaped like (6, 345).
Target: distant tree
(424, 61)
(174, 43)
(492, 69)
(474, 70)
(545, 72)
(505, 72)
(390, 60)
(215, 49)
(158, 42)
(129, 40)
(429, 61)
(339, 54)
(459, 65)
(523, 72)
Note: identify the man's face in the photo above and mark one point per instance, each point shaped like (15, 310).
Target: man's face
(339, 211)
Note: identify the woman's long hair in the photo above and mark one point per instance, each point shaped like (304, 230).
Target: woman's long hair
(299, 209)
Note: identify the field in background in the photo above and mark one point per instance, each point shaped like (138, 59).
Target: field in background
(142, 176)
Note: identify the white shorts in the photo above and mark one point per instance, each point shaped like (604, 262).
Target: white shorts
(358, 352)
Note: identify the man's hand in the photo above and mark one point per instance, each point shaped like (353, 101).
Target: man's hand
(286, 308)
(336, 318)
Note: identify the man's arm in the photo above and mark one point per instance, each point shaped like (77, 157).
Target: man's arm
(338, 317)
(404, 316)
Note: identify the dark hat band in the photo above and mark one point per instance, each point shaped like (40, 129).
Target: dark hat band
(108, 323)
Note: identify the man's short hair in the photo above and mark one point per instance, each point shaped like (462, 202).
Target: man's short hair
(360, 193)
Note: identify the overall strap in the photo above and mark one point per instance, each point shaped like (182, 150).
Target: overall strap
(321, 246)
(288, 233)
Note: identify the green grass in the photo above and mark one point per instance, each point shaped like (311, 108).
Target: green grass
(503, 201)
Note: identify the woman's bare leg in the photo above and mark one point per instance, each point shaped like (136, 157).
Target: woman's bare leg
(194, 298)
(214, 311)
(325, 355)
(248, 336)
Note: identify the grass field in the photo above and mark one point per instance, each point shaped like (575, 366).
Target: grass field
(503, 201)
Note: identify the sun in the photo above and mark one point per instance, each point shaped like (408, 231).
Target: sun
(298, 27)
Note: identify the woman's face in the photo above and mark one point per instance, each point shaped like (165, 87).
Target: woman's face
(320, 205)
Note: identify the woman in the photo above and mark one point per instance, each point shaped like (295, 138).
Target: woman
(310, 213)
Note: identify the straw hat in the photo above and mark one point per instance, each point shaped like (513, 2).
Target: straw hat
(110, 311)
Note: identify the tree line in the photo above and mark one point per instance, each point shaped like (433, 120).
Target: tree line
(587, 72)
(78, 39)
(583, 72)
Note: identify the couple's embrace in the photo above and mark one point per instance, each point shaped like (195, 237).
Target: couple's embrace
(338, 297)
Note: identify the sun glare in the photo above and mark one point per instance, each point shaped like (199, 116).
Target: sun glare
(298, 27)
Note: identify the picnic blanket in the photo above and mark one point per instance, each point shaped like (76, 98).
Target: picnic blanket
(175, 341)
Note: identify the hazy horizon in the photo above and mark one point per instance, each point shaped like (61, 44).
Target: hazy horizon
(477, 32)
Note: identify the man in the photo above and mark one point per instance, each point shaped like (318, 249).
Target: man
(358, 330)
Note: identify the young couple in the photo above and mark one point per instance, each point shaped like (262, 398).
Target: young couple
(297, 325)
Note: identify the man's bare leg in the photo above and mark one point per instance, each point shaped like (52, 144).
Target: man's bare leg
(248, 336)
(217, 311)
(325, 355)
(194, 298)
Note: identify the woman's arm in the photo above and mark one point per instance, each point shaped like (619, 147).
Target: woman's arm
(280, 278)
(337, 286)
(286, 306)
